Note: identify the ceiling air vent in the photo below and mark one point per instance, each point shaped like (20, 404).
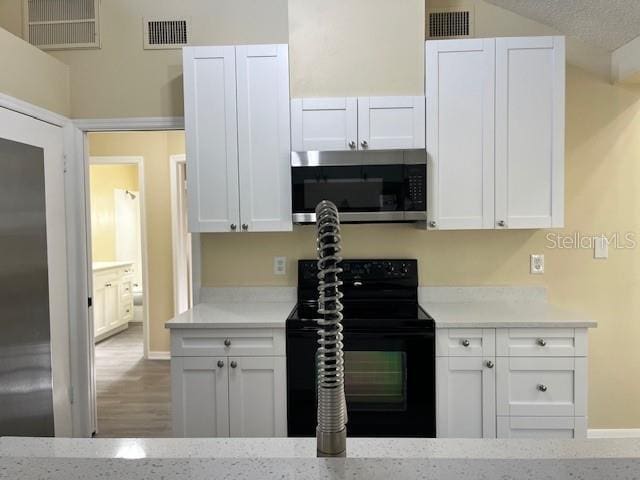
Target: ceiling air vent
(62, 24)
(166, 34)
(450, 23)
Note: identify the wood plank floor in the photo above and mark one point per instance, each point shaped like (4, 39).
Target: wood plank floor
(134, 394)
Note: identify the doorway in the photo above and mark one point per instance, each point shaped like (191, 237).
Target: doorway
(182, 238)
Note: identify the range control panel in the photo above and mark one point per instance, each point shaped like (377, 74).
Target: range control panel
(363, 269)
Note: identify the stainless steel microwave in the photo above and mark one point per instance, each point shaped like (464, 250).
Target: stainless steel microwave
(386, 186)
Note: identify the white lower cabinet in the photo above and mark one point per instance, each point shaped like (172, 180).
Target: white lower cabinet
(237, 396)
(112, 300)
(484, 392)
(466, 397)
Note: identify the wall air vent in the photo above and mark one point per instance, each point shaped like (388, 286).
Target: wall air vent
(62, 24)
(449, 23)
(166, 34)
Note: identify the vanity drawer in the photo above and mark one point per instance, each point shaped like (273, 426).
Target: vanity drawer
(541, 386)
(465, 342)
(542, 427)
(541, 342)
(208, 342)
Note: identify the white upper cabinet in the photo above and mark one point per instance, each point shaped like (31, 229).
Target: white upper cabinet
(460, 133)
(237, 138)
(211, 138)
(495, 132)
(264, 137)
(324, 124)
(363, 123)
(386, 123)
(530, 85)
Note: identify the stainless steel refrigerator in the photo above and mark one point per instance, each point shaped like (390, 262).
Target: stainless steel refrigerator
(26, 400)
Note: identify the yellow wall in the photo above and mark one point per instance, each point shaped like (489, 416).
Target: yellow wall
(104, 179)
(29, 74)
(155, 147)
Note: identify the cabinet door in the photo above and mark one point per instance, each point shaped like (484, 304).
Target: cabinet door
(466, 397)
(460, 85)
(112, 305)
(99, 319)
(200, 396)
(387, 123)
(258, 397)
(264, 137)
(211, 138)
(324, 123)
(530, 84)
(542, 427)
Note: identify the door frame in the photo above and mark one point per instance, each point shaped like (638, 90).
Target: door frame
(138, 161)
(176, 161)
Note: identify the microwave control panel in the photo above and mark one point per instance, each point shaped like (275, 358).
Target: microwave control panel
(416, 187)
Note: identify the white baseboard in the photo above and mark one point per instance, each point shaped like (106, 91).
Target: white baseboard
(159, 356)
(613, 433)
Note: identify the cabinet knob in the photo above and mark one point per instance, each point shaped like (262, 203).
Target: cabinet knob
(501, 223)
(489, 364)
(542, 342)
(245, 227)
(233, 226)
(233, 364)
(220, 364)
(465, 342)
(352, 144)
(433, 224)
(542, 387)
(364, 144)
(227, 342)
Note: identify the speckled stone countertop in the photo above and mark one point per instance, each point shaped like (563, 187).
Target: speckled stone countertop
(249, 314)
(195, 459)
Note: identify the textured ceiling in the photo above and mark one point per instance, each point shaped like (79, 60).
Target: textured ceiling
(608, 24)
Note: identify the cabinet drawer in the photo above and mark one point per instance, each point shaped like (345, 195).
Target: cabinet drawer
(541, 342)
(541, 386)
(196, 342)
(465, 342)
(542, 427)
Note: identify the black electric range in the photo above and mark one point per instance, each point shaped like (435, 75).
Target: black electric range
(389, 351)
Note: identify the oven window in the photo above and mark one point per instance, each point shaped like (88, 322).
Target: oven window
(375, 380)
(365, 188)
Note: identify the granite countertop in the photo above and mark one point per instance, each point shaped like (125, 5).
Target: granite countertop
(289, 458)
(248, 314)
(107, 265)
(504, 314)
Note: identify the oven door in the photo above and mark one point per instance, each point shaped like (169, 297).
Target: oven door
(389, 383)
(394, 192)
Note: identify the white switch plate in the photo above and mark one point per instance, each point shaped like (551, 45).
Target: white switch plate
(279, 265)
(537, 264)
(600, 247)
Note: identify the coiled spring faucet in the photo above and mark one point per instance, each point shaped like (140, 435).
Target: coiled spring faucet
(331, 432)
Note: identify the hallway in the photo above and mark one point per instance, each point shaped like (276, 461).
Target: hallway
(134, 394)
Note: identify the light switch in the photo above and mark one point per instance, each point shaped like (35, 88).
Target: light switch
(279, 265)
(537, 264)
(600, 247)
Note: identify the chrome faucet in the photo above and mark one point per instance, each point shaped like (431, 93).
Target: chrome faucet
(331, 432)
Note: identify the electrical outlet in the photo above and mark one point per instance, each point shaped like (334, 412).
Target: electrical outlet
(600, 247)
(279, 265)
(537, 264)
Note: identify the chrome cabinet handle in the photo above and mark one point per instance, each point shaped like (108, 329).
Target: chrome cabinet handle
(352, 144)
(245, 227)
(364, 144)
(465, 342)
(233, 364)
(501, 223)
(542, 342)
(227, 342)
(489, 364)
(220, 364)
(433, 224)
(233, 226)
(542, 387)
